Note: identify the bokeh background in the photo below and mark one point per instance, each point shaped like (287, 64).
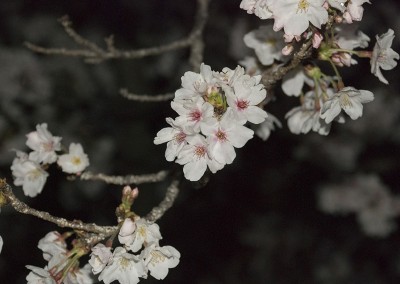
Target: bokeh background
(257, 220)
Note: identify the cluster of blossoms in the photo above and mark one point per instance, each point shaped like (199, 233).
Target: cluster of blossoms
(63, 264)
(366, 196)
(139, 254)
(213, 109)
(322, 97)
(137, 236)
(295, 16)
(29, 169)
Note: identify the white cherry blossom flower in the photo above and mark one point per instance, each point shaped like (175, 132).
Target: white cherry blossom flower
(126, 268)
(293, 82)
(305, 118)
(53, 247)
(160, 259)
(175, 137)
(138, 233)
(263, 130)
(266, 43)
(100, 257)
(79, 276)
(383, 56)
(258, 7)
(354, 11)
(29, 175)
(195, 84)
(349, 99)
(43, 144)
(1, 244)
(224, 135)
(294, 16)
(39, 276)
(251, 66)
(193, 113)
(195, 158)
(75, 161)
(244, 97)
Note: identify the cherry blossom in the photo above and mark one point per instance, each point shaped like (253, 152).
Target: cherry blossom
(39, 276)
(1, 244)
(29, 175)
(383, 56)
(349, 99)
(193, 113)
(266, 43)
(75, 161)
(43, 144)
(244, 98)
(294, 16)
(175, 137)
(224, 135)
(354, 11)
(258, 7)
(99, 258)
(126, 268)
(134, 234)
(195, 158)
(263, 130)
(160, 259)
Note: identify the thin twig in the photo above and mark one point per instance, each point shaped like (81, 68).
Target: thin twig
(23, 208)
(124, 180)
(169, 199)
(146, 98)
(269, 78)
(92, 53)
(197, 44)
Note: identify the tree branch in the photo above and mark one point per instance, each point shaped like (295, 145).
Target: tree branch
(124, 180)
(92, 53)
(169, 199)
(269, 77)
(146, 98)
(6, 191)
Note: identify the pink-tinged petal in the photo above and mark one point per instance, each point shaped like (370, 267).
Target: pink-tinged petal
(255, 114)
(224, 153)
(195, 170)
(239, 136)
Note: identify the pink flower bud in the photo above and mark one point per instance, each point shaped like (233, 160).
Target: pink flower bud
(126, 190)
(317, 39)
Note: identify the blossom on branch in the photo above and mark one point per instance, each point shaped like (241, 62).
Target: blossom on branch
(159, 260)
(75, 161)
(266, 43)
(43, 144)
(294, 16)
(350, 100)
(29, 175)
(99, 258)
(383, 56)
(124, 267)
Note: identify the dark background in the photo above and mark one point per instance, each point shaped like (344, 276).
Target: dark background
(257, 220)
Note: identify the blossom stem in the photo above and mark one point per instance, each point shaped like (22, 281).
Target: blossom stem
(340, 84)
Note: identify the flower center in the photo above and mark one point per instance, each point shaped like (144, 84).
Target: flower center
(76, 161)
(242, 104)
(302, 6)
(195, 115)
(200, 151)
(221, 136)
(156, 257)
(180, 137)
(345, 101)
(124, 263)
